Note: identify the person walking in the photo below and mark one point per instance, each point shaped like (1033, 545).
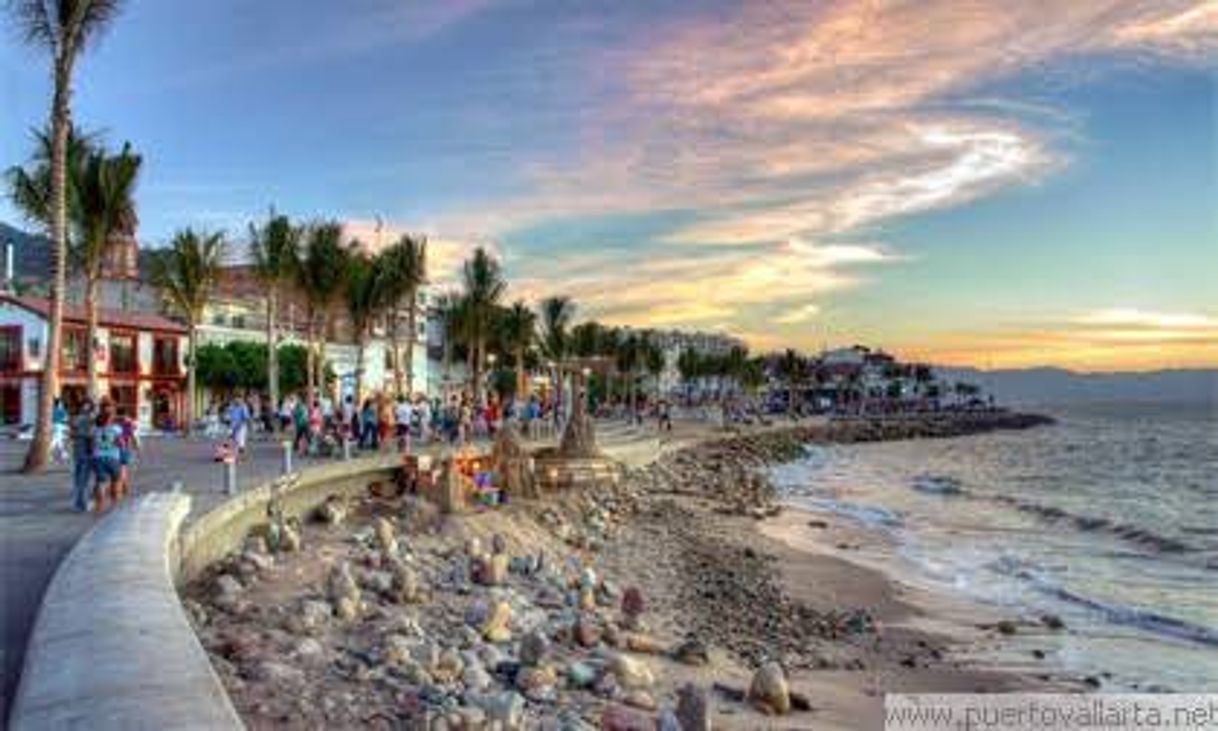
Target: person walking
(238, 424)
(128, 449)
(106, 456)
(82, 456)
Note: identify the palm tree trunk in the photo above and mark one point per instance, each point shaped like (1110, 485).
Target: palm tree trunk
(40, 446)
(411, 324)
(521, 381)
(477, 371)
(272, 354)
(320, 362)
(395, 345)
(188, 419)
(91, 334)
(359, 367)
(310, 361)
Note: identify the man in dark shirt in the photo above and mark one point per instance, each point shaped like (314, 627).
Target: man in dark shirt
(82, 455)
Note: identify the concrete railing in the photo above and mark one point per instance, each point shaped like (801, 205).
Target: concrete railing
(112, 648)
(223, 529)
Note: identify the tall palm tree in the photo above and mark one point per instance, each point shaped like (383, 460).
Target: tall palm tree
(366, 299)
(275, 248)
(104, 211)
(519, 325)
(320, 277)
(186, 275)
(404, 271)
(29, 188)
(791, 365)
(482, 278)
(556, 315)
(653, 361)
(63, 28)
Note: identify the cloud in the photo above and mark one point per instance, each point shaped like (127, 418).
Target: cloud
(798, 315)
(1133, 318)
(786, 131)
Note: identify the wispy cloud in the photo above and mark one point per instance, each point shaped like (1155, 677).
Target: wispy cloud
(784, 145)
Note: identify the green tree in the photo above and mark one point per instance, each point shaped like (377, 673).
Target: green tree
(320, 278)
(794, 371)
(63, 29)
(366, 298)
(556, 315)
(275, 248)
(404, 271)
(104, 213)
(482, 278)
(519, 329)
(186, 275)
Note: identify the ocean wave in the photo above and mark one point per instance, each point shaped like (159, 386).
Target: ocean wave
(1112, 612)
(1125, 531)
(938, 484)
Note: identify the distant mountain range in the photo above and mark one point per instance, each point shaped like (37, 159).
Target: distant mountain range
(1058, 385)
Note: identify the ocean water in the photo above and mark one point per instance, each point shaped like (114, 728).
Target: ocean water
(1108, 519)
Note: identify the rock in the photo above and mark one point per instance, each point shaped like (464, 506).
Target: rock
(309, 650)
(340, 584)
(495, 628)
(1005, 627)
(668, 721)
(506, 709)
(261, 561)
(379, 582)
(426, 654)
(587, 599)
(473, 546)
(800, 702)
(629, 672)
(448, 666)
(692, 651)
(645, 644)
(587, 633)
(386, 536)
(269, 671)
(395, 650)
(581, 674)
(1052, 621)
(769, 689)
(497, 570)
(498, 544)
(314, 615)
(587, 578)
(333, 511)
(291, 540)
(227, 587)
(346, 608)
(693, 708)
(534, 648)
(621, 718)
(476, 677)
(640, 699)
(531, 680)
(405, 584)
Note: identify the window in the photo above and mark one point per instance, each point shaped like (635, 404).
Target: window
(10, 403)
(75, 350)
(123, 358)
(10, 348)
(124, 398)
(165, 357)
(239, 322)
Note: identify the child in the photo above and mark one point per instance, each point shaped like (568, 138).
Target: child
(128, 448)
(106, 456)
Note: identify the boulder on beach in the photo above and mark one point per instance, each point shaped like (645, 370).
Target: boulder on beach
(769, 689)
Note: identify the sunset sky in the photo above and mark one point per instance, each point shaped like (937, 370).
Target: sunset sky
(992, 183)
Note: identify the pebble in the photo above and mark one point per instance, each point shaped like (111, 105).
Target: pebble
(693, 708)
(769, 689)
(506, 708)
(640, 699)
(495, 628)
(631, 673)
(692, 651)
(386, 536)
(581, 674)
(621, 718)
(534, 648)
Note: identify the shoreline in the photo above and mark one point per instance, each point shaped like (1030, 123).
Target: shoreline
(696, 533)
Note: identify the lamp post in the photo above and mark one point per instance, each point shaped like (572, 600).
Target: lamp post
(490, 362)
(586, 372)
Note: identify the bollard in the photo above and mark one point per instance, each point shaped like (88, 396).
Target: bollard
(346, 449)
(286, 468)
(230, 477)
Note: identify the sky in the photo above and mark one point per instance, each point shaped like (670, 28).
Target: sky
(998, 184)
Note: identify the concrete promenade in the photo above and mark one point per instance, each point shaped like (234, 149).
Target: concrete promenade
(38, 526)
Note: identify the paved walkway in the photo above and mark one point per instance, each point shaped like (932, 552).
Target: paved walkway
(38, 526)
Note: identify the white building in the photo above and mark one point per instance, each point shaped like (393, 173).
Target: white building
(140, 361)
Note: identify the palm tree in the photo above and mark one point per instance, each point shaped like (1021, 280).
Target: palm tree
(482, 278)
(275, 251)
(104, 211)
(62, 28)
(519, 325)
(556, 315)
(405, 271)
(653, 361)
(791, 365)
(320, 277)
(186, 275)
(365, 299)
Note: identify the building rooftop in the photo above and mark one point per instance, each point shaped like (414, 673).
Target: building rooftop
(105, 317)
